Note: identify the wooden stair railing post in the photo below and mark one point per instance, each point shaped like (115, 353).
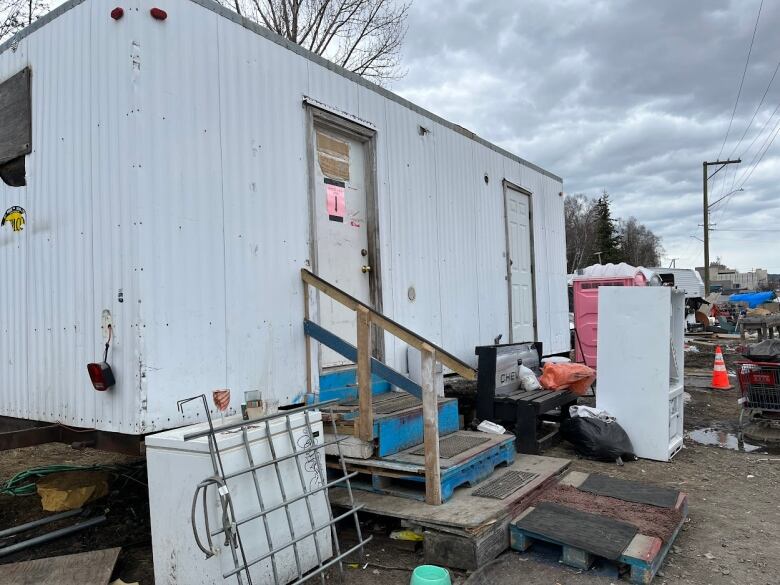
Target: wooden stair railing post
(430, 426)
(366, 417)
(307, 343)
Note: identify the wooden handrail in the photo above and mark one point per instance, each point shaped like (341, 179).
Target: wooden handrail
(404, 334)
(429, 354)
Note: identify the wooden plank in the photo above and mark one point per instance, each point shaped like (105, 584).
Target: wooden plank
(307, 342)
(430, 427)
(574, 478)
(401, 332)
(366, 416)
(408, 455)
(463, 512)
(16, 124)
(464, 551)
(349, 351)
(90, 568)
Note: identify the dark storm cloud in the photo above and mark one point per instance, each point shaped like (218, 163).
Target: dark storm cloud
(627, 96)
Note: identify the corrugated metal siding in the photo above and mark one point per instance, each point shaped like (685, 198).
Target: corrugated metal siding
(197, 191)
(687, 280)
(69, 262)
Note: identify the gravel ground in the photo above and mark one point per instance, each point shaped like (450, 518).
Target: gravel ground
(731, 538)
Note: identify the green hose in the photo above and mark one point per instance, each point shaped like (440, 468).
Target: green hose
(24, 482)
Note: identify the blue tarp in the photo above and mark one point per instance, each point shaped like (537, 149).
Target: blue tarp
(752, 299)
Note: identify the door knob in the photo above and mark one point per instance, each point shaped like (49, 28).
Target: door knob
(366, 269)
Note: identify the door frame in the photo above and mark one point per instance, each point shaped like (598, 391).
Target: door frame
(509, 186)
(319, 118)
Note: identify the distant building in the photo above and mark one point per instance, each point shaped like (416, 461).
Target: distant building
(730, 278)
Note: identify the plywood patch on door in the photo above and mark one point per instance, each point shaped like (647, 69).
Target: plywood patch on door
(333, 156)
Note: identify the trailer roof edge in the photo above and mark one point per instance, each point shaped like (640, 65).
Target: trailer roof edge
(279, 40)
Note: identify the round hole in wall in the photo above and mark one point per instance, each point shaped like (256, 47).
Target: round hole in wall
(411, 293)
(487, 179)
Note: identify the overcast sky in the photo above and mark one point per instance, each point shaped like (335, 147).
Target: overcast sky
(628, 96)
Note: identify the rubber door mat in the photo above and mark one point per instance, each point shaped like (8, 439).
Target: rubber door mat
(454, 444)
(630, 491)
(397, 404)
(598, 535)
(506, 485)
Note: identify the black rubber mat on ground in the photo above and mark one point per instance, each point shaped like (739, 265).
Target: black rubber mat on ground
(595, 534)
(454, 444)
(504, 486)
(630, 491)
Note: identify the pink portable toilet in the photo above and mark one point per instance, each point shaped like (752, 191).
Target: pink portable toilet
(586, 302)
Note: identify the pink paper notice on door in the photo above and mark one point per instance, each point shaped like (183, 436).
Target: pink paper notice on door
(336, 205)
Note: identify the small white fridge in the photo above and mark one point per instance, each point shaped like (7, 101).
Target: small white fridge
(176, 467)
(640, 373)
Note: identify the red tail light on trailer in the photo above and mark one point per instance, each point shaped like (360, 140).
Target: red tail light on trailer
(101, 376)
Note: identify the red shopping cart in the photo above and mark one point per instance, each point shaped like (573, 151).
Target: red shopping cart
(759, 383)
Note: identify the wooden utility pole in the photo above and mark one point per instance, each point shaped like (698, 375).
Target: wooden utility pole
(705, 180)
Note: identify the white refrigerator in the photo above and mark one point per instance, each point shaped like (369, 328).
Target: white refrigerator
(177, 466)
(640, 365)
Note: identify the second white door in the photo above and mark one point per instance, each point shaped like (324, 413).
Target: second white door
(520, 266)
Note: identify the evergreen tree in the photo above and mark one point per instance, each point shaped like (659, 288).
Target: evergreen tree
(608, 240)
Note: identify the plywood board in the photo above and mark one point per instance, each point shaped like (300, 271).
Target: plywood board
(462, 512)
(16, 123)
(90, 568)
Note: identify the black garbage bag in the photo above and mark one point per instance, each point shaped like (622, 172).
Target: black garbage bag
(596, 439)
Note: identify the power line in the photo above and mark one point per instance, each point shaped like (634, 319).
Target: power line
(751, 167)
(742, 81)
(761, 103)
(749, 171)
(744, 230)
(760, 132)
(714, 203)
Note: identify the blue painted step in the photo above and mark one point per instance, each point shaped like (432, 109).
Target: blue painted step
(342, 385)
(396, 432)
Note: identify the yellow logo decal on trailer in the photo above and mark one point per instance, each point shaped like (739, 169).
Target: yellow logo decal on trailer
(15, 216)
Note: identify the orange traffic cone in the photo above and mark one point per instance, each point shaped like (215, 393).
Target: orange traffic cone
(720, 377)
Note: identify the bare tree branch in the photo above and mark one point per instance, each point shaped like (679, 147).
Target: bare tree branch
(16, 14)
(364, 36)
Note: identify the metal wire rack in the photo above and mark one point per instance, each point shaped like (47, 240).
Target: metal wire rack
(296, 450)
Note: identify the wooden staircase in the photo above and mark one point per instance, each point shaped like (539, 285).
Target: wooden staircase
(368, 367)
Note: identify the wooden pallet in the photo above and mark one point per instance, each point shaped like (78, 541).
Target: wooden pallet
(403, 474)
(398, 422)
(644, 555)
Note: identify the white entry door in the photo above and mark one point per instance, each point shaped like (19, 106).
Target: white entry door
(342, 232)
(519, 266)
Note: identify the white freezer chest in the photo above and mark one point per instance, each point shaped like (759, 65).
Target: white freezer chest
(177, 466)
(641, 369)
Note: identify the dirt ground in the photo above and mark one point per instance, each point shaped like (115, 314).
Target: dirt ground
(732, 536)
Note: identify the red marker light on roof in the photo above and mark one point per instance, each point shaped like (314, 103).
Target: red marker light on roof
(117, 13)
(158, 14)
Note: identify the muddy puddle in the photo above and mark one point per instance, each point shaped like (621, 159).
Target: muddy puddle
(723, 439)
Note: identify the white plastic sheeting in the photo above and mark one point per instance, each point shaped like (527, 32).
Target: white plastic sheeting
(168, 185)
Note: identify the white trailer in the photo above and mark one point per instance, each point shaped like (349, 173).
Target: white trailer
(179, 173)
